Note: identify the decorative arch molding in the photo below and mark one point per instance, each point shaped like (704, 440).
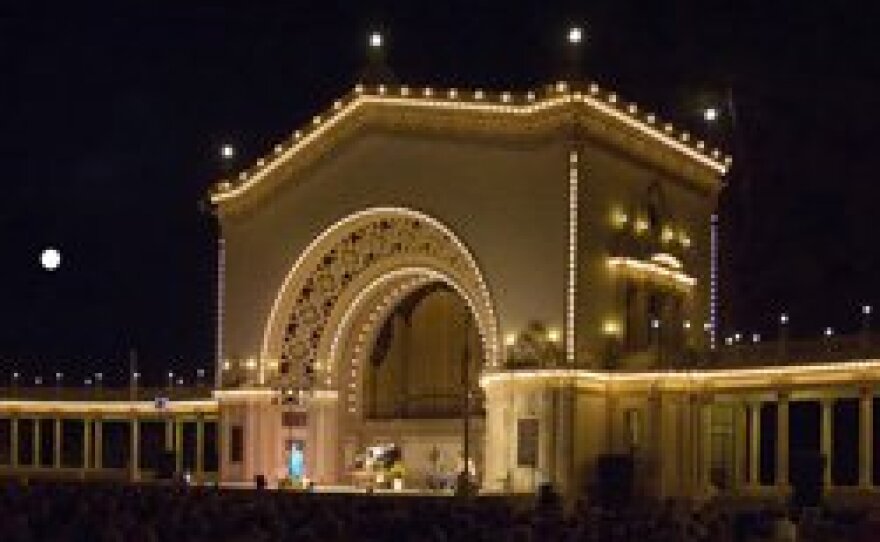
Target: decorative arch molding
(340, 266)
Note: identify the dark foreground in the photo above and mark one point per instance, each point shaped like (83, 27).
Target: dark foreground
(116, 513)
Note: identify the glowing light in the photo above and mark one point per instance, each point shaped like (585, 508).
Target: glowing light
(655, 323)
(710, 114)
(571, 286)
(866, 309)
(641, 225)
(686, 324)
(364, 99)
(575, 35)
(643, 269)
(829, 332)
(553, 335)
(50, 259)
(611, 328)
(375, 40)
(618, 217)
(756, 338)
(227, 151)
(667, 259)
(510, 339)
(783, 318)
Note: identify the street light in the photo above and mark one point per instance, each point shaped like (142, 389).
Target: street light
(375, 40)
(575, 35)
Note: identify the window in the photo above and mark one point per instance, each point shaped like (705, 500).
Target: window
(236, 444)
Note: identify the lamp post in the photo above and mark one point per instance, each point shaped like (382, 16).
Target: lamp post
(866, 328)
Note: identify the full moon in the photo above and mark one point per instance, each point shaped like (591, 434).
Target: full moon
(50, 259)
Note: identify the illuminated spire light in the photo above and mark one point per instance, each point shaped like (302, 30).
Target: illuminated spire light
(375, 40)
(50, 259)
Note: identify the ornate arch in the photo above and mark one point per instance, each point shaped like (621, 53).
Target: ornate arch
(346, 262)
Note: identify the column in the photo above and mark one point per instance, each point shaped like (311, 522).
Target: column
(782, 441)
(134, 449)
(56, 458)
(178, 445)
(740, 452)
(99, 444)
(35, 460)
(706, 443)
(866, 398)
(169, 434)
(87, 443)
(563, 438)
(827, 449)
(13, 441)
(200, 448)
(755, 445)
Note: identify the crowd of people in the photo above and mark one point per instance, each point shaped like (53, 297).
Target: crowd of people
(129, 513)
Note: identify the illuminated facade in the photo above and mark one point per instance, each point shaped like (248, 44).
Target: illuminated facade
(544, 261)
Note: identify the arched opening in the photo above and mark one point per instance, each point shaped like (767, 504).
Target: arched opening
(368, 337)
(426, 353)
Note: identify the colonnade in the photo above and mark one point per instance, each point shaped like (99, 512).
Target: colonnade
(747, 431)
(92, 418)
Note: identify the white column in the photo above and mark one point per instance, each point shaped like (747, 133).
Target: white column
(755, 445)
(99, 444)
(200, 448)
(178, 445)
(706, 444)
(827, 449)
(134, 449)
(56, 457)
(866, 399)
(323, 426)
(35, 460)
(87, 444)
(13, 443)
(496, 437)
(563, 440)
(741, 453)
(782, 441)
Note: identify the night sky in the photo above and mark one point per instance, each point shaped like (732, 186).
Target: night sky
(112, 119)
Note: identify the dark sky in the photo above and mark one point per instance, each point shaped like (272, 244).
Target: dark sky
(112, 118)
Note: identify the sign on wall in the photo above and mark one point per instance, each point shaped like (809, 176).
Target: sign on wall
(527, 442)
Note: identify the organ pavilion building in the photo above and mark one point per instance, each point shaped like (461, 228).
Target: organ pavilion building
(523, 279)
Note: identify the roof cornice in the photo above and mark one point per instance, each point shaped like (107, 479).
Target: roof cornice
(600, 113)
